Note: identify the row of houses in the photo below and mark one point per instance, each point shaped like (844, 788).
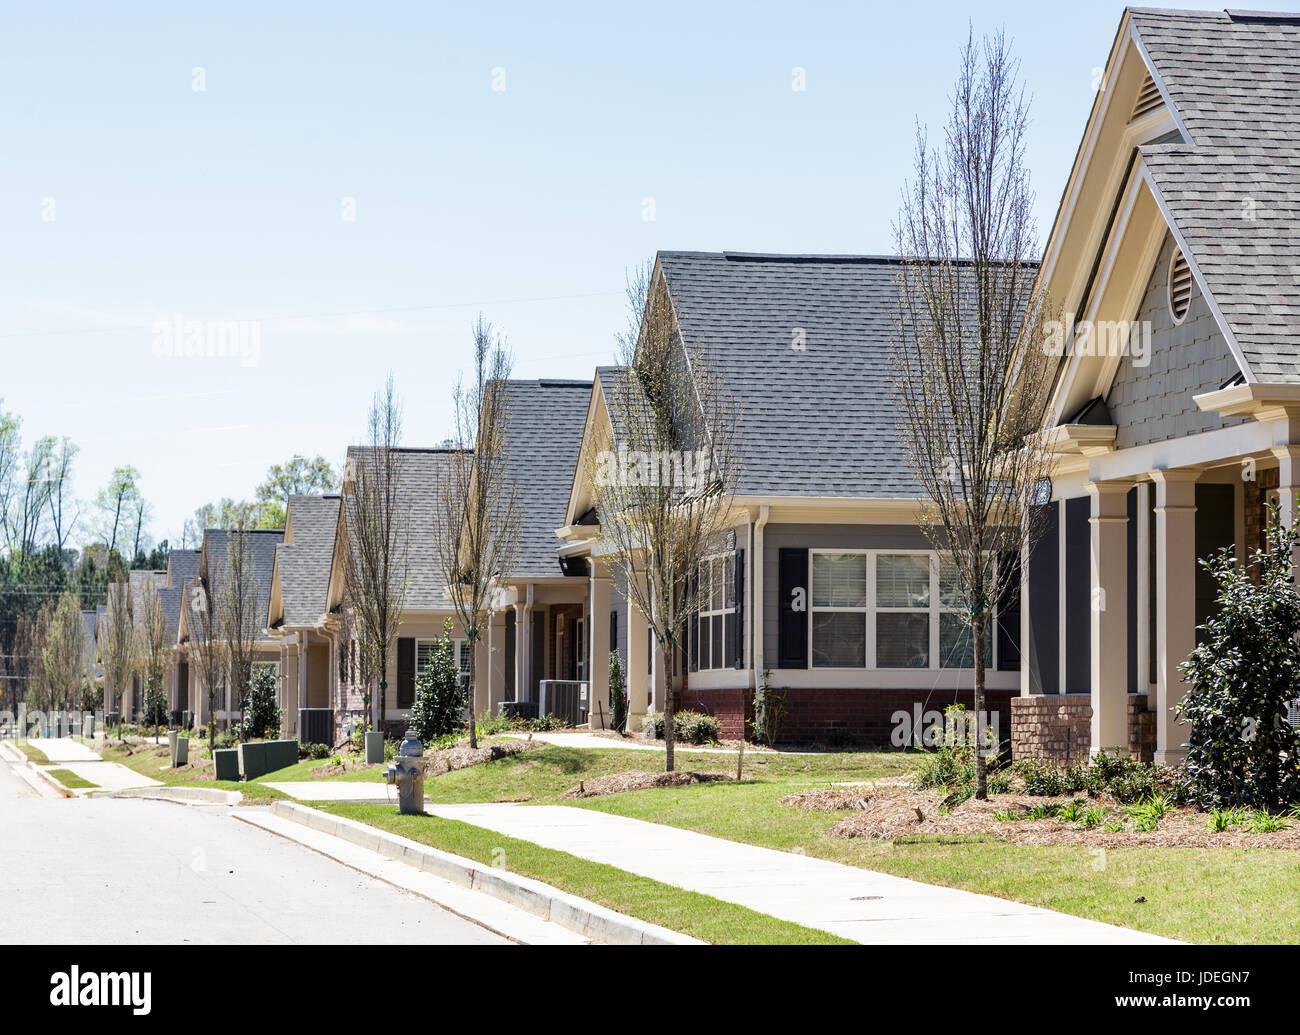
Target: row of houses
(1180, 214)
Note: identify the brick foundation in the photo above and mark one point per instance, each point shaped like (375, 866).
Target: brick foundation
(1058, 727)
(862, 717)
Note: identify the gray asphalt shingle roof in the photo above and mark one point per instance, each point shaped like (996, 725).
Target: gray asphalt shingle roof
(305, 563)
(262, 546)
(547, 419)
(182, 565)
(1234, 192)
(813, 422)
(420, 473)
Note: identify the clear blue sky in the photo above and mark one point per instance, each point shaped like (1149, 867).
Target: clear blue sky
(527, 203)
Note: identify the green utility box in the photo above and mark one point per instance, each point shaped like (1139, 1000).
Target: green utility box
(227, 762)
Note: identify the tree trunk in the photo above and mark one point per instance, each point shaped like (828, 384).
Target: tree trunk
(473, 672)
(668, 706)
(978, 633)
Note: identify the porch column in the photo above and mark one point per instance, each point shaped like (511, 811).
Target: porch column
(304, 667)
(523, 628)
(638, 665)
(598, 645)
(1109, 607)
(1175, 592)
(1288, 485)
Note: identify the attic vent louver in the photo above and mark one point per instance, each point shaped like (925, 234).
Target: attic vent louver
(1148, 99)
(1180, 287)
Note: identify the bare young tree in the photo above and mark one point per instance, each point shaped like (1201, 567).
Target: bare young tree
(665, 472)
(117, 639)
(480, 513)
(207, 649)
(239, 611)
(971, 371)
(152, 650)
(378, 562)
(62, 639)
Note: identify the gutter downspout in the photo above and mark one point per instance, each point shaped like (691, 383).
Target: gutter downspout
(756, 605)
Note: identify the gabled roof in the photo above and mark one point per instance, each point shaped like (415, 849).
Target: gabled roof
(182, 565)
(817, 420)
(1234, 190)
(420, 473)
(302, 566)
(216, 552)
(546, 425)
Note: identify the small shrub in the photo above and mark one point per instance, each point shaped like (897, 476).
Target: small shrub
(688, 727)
(261, 707)
(1092, 817)
(439, 706)
(545, 724)
(617, 693)
(1266, 823)
(490, 725)
(1072, 812)
(1041, 779)
(1222, 819)
(313, 751)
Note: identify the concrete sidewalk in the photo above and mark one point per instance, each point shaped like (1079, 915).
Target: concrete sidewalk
(359, 792)
(66, 753)
(859, 904)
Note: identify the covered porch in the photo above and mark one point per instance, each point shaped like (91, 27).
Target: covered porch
(1113, 587)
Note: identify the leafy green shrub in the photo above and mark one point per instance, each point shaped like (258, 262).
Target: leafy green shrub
(155, 704)
(1041, 779)
(1092, 817)
(617, 693)
(1222, 819)
(490, 725)
(1073, 812)
(225, 739)
(952, 764)
(688, 727)
(1149, 812)
(313, 751)
(440, 700)
(545, 724)
(261, 708)
(1243, 675)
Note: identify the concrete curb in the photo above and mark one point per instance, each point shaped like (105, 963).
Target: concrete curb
(44, 775)
(579, 915)
(184, 795)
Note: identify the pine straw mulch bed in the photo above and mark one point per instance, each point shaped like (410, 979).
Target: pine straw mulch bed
(890, 814)
(620, 783)
(450, 760)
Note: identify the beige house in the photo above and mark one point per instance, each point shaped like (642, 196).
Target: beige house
(207, 586)
(1175, 414)
(310, 647)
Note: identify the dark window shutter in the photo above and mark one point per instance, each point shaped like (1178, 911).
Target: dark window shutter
(792, 631)
(613, 631)
(405, 672)
(693, 637)
(737, 644)
(1008, 617)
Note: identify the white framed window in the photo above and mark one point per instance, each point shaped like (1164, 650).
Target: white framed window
(889, 609)
(424, 657)
(904, 610)
(716, 625)
(839, 609)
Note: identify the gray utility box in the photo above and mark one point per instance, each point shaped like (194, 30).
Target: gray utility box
(227, 763)
(268, 756)
(181, 752)
(374, 748)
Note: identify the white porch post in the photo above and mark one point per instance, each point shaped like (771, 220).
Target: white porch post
(522, 654)
(1109, 606)
(1175, 601)
(598, 645)
(638, 665)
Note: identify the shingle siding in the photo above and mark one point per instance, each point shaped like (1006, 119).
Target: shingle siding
(1155, 402)
(1234, 190)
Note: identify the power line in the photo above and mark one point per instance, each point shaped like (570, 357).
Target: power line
(325, 316)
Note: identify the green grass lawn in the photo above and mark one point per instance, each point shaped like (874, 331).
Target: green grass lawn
(71, 780)
(33, 754)
(1210, 895)
(699, 916)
